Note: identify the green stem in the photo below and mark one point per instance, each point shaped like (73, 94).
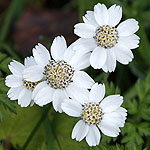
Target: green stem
(44, 114)
(48, 132)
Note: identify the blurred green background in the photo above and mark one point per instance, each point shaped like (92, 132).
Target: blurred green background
(24, 23)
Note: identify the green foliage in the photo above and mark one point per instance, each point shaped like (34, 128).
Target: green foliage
(19, 126)
(4, 61)
(32, 128)
(111, 89)
(137, 128)
(26, 119)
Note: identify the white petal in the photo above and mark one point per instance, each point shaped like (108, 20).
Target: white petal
(16, 68)
(69, 53)
(44, 96)
(80, 130)
(97, 93)
(24, 98)
(131, 41)
(101, 14)
(78, 93)
(123, 54)
(82, 79)
(98, 58)
(128, 27)
(122, 111)
(115, 15)
(110, 63)
(111, 103)
(84, 45)
(93, 136)
(13, 81)
(80, 61)
(115, 118)
(33, 73)
(84, 30)
(58, 98)
(41, 55)
(13, 93)
(89, 18)
(58, 48)
(72, 108)
(108, 128)
(38, 88)
(29, 61)
(31, 103)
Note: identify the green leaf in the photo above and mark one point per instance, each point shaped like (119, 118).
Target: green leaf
(137, 128)
(111, 89)
(4, 61)
(18, 127)
(3, 97)
(3, 88)
(4, 65)
(7, 103)
(144, 129)
(132, 138)
(132, 106)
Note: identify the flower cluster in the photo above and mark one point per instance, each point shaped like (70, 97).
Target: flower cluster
(57, 76)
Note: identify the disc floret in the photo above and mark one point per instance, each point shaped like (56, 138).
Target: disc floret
(92, 113)
(106, 36)
(58, 74)
(30, 85)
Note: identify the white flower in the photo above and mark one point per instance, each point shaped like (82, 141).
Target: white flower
(61, 75)
(20, 88)
(106, 41)
(96, 114)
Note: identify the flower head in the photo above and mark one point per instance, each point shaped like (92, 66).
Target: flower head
(20, 88)
(61, 76)
(97, 114)
(58, 74)
(104, 40)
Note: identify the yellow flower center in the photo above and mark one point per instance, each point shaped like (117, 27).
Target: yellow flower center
(106, 36)
(92, 113)
(30, 85)
(58, 74)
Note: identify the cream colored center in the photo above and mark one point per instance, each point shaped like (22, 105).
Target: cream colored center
(30, 85)
(92, 113)
(106, 36)
(58, 74)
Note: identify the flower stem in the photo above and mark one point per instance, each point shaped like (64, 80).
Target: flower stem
(48, 132)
